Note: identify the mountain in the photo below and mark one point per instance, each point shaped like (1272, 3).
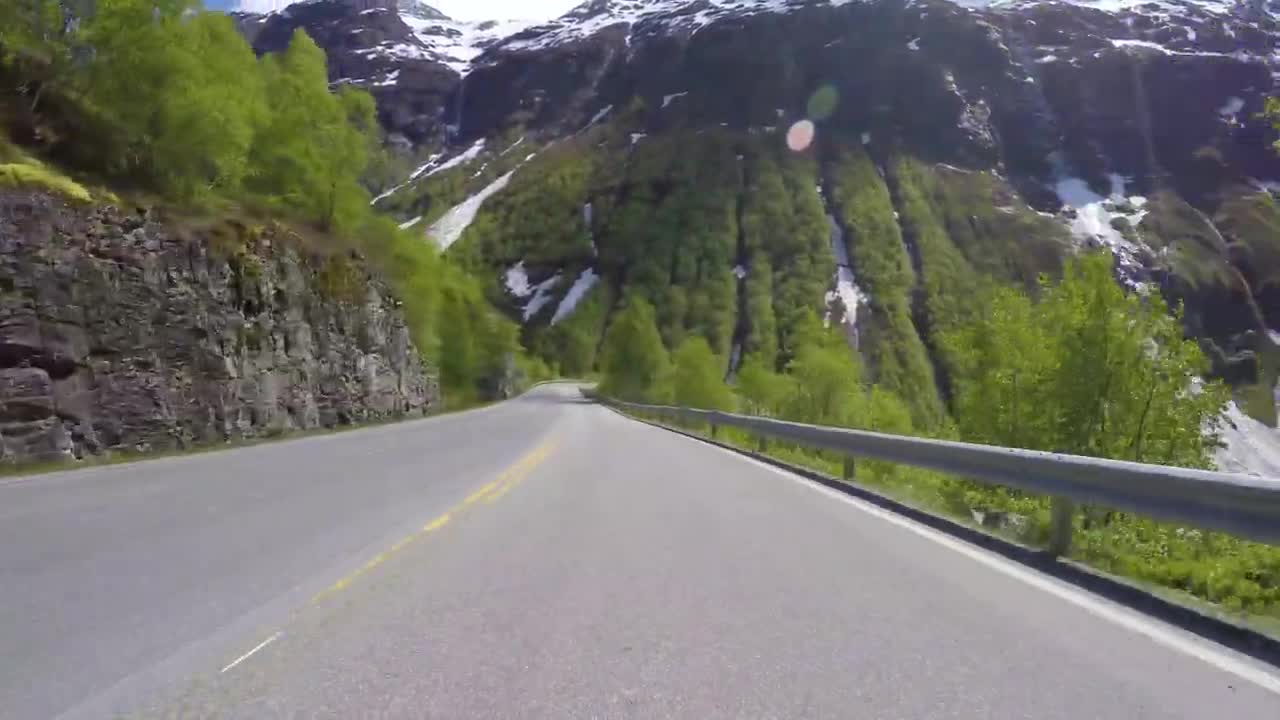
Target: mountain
(935, 146)
(409, 55)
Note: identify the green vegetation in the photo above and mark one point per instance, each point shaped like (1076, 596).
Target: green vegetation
(1197, 253)
(697, 377)
(785, 239)
(1087, 370)
(169, 104)
(633, 359)
(38, 175)
(892, 344)
(1272, 111)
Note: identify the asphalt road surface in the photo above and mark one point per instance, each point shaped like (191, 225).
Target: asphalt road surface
(546, 558)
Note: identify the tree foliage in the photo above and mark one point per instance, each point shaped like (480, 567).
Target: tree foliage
(633, 359)
(311, 152)
(162, 95)
(1088, 370)
(1272, 111)
(761, 390)
(698, 377)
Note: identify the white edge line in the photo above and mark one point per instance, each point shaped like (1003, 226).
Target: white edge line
(246, 656)
(1174, 639)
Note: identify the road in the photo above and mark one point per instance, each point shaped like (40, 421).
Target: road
(545, 558)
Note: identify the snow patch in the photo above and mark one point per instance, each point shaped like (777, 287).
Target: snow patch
(637, 137)
(1229, 110)
(459, 44)
(1251, 448)
(541, 296)
(914, 44)
(1094, 215)
(577, 291)
(465, 156)
(735, 357)
(666, 99)
(1266, 185)
(410, 223)
(517, 281)
(600, 115)
(739, 271)
(866, 138)
(514, 145)
(846, 286)
(450, 227)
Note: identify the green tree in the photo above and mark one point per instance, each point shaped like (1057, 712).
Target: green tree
(136, 46)
(311, 153)
(698, 377)
(633, 359)
(827, 379)
(37, 41)
(1088, 370)
(762, 390)
(1272, 111)
(208, 113)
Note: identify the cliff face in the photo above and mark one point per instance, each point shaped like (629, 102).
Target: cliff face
(120, 331)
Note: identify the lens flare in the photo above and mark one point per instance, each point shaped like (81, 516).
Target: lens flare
(800, 135)
(823, 102)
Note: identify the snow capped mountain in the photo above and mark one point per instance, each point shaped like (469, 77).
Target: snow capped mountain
(262, 6)
(1045, 125)
(648, 16)
(457, 44)
(388, 29)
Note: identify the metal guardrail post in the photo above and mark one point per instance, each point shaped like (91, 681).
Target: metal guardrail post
(762, 443)
(1062, 511)
(848, 469)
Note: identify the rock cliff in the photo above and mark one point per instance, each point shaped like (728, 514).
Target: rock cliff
(121, 330)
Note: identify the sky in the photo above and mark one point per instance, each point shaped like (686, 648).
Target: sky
(494, 9)
(457, 9)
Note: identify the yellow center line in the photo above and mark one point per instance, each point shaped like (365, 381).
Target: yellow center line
(433, 525)
(484, 490)
(489, 492)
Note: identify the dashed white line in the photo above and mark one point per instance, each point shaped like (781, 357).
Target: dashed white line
(246, 656)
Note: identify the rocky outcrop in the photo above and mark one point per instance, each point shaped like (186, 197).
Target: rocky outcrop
(121, 331)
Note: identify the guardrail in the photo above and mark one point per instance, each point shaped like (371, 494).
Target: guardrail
(1241, 505)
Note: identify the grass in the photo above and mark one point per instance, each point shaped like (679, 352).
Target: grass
(34, 175)
(18, 169)
(1217, 574)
